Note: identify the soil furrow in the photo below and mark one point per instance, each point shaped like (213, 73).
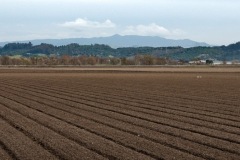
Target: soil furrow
(107, 113)
(56, 144)
(100, 145)
(140, 144)
(72, 114)
(156, 107)
(19, 145)
(150, 93)
(201, 130)
(147, 134)
(172, 116)
(196, 121)
(6, 153)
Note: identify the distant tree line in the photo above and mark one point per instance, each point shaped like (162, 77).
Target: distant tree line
(85, 60)
(230, 52)
(16, 46)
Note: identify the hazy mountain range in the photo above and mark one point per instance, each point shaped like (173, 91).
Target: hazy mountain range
(117, 41)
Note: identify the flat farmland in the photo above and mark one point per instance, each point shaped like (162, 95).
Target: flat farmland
(120, 113)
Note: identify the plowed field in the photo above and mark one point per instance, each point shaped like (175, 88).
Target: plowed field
(77, 114)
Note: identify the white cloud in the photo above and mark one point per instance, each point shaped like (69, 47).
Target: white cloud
(85, 23)
(88, 28)
(82, 27)
(151, 30)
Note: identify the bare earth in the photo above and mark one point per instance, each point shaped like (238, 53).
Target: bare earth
(218, 69)
(120, 113)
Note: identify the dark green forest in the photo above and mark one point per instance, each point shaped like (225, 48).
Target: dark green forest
(226, 53)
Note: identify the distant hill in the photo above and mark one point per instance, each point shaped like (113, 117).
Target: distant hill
(117, 41)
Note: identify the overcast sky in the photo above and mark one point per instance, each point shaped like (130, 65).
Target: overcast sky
(216, 22)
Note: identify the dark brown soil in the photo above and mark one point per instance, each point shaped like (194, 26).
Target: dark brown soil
(119, 115)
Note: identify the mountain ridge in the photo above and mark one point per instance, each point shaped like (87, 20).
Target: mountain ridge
(118, 41)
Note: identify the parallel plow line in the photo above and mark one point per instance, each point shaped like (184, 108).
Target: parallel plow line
(145, 137)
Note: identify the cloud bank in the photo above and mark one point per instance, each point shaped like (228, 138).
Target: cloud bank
(90, 28)
(146, 30)
(85, 23)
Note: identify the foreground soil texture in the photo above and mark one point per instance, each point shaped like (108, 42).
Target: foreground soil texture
(137, 114)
